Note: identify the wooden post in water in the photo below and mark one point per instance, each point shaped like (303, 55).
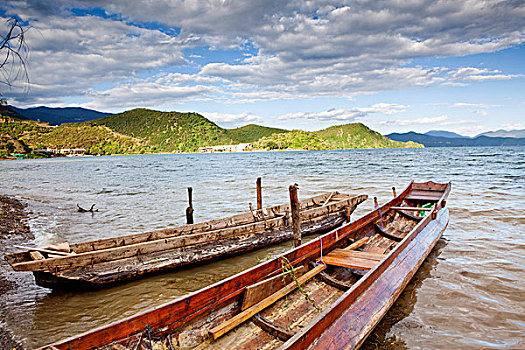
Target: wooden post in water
(259, 193)
(394, 191)
(296, 219)
(189, 209)
(375, 203)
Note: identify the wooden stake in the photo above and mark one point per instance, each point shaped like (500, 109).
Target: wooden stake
(394, 191)
(375, 203)
(296, 219)
(259, 193)
(189, 209)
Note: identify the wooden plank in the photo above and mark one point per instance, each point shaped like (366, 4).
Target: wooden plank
(36, 255)
(241, 317)
(411, 208)
(328, 199)
(353, 263)
(357, 244)
(43, 250)
(260, 290)
(424, 197)
(62, 247)
(357, 254)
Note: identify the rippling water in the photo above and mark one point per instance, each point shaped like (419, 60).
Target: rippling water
(470, 292)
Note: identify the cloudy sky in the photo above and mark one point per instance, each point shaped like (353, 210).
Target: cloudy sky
(392, 65)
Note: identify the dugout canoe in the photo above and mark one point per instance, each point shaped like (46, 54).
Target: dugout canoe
(327, 294)
(107, 261)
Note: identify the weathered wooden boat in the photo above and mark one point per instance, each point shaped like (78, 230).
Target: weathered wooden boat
(105, 261)
(327, 294)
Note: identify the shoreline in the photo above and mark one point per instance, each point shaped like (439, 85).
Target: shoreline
(13, 227)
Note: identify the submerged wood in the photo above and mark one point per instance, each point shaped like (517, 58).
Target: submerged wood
(212, 318)
(106, 261)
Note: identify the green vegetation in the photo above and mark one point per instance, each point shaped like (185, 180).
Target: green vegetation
(16, 135)
(95, 139)
(295, 139)
(347, 136)
(146, 131)
(251, 133)
(357, 135)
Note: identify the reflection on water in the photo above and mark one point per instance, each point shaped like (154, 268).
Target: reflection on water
(468, 294)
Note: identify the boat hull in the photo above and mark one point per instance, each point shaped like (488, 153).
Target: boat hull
(113, 272)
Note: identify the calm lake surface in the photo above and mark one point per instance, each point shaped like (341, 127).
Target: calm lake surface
(470, 292)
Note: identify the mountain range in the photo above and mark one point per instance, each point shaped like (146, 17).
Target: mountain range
(456, 140)
(57, 116)
(148, 131)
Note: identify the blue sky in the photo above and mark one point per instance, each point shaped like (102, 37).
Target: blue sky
(395, 66)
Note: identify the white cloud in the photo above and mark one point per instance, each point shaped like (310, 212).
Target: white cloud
(513, 126)
(290, 49)
(476, 74)
(347, 114)
(232, 118)
(476, 105)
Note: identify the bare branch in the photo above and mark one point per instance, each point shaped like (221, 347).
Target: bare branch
(13, 54)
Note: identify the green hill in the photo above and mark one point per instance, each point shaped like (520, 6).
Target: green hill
(251, 133)
(357, 135)
(347, 136)
(167, 131)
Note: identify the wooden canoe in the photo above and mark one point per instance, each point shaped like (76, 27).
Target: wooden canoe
(301, 299)
(111, 260)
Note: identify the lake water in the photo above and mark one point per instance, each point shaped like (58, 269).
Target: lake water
(470, 292)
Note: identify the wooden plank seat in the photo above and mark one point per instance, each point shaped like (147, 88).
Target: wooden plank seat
(422, 195)
(353, 259)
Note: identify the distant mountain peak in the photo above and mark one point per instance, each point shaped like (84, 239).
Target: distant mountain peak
(443, 133)
(520, 133)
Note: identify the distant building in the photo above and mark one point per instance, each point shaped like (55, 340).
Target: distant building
(68, 152)
(242, 147)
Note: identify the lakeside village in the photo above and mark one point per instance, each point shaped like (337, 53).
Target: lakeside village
(76, 152)
(81, 152)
